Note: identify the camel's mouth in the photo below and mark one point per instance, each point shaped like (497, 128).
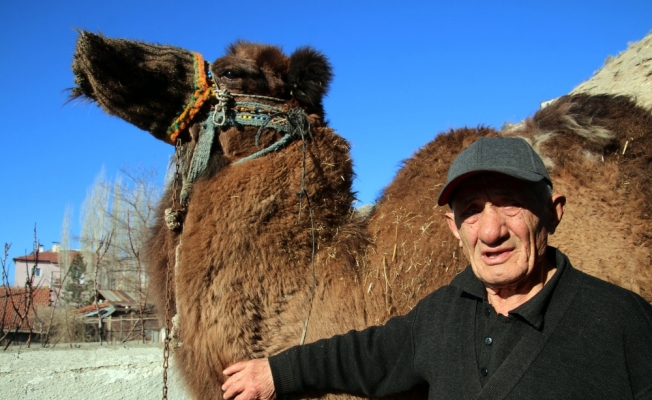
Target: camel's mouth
(146, 85)
(82, 67)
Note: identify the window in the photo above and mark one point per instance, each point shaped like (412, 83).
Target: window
(37, 271)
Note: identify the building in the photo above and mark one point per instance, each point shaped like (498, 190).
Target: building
(43, 267)
(19, 312)
(122, 318)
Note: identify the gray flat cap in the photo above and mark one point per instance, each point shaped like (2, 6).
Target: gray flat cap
(506, 155)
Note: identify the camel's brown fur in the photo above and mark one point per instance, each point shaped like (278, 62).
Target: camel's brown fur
(245, 262)
(606, 229)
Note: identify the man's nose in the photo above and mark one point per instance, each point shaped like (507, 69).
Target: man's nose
(492, 225)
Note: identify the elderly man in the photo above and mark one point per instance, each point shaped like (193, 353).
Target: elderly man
(520, 322)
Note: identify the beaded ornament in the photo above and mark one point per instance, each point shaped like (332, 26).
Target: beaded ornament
(203, 91)
(258, 114)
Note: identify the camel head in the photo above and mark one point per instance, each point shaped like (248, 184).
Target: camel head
(166, 90)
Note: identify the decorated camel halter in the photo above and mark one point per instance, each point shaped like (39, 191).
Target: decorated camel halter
(293, 123)
(228, 112)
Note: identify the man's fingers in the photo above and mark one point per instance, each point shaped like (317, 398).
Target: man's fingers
(239, 391)
(233, 386)
(249, 380)
(228, 383)
(237, 367)
(227, 387)
(230, 392)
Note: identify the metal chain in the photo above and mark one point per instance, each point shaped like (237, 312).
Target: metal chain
(168, 338)
(168, 280)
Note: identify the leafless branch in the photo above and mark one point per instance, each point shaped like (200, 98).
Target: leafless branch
(25, 302)
(102, 248)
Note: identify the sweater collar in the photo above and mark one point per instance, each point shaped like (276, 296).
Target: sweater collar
(533, 311)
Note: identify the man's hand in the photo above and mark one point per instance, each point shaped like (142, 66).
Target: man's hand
(249, 380)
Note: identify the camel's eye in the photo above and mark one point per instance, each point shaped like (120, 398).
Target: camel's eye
(229, 74)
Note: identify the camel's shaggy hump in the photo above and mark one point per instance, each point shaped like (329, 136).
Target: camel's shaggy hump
(414, 251)
(270, 251)
(601, 148)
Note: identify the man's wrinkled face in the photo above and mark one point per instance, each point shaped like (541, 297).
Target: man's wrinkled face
(502, 224)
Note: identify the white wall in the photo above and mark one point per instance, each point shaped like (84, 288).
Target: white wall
(48, 273)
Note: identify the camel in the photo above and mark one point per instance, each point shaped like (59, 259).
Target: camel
(257, 246)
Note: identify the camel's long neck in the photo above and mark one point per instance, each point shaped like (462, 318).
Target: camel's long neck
(248, 238)
(280, 190)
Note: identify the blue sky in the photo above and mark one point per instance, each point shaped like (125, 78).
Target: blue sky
(404, 71)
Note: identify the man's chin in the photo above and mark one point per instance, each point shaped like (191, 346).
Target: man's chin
(493, 279)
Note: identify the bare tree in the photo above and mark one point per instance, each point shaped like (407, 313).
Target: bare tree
(19, 309)
(64, 260)
(102, 248)
(6, 316)
(116, 217)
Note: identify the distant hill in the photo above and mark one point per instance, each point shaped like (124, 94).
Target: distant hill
(630, 72)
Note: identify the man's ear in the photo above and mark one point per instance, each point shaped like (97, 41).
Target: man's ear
(450, 218)
(309, 75)
(557, 212)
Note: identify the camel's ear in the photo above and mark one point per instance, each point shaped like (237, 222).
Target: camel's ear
(309, 76)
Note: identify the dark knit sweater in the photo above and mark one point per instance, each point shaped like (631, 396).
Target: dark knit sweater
(579, 338)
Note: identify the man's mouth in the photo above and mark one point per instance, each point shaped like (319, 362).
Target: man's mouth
(494, 257)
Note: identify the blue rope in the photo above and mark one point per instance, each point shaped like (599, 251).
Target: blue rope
(294, 124)
(274, 147)
(200, 157)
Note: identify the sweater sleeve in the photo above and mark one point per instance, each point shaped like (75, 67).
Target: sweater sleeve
(375, 362)
(638, 345)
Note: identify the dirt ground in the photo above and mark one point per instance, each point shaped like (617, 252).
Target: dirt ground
(132, 371)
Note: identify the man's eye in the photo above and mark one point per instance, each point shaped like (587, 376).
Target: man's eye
(470, 217)
(511, 209)
(470, 212)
